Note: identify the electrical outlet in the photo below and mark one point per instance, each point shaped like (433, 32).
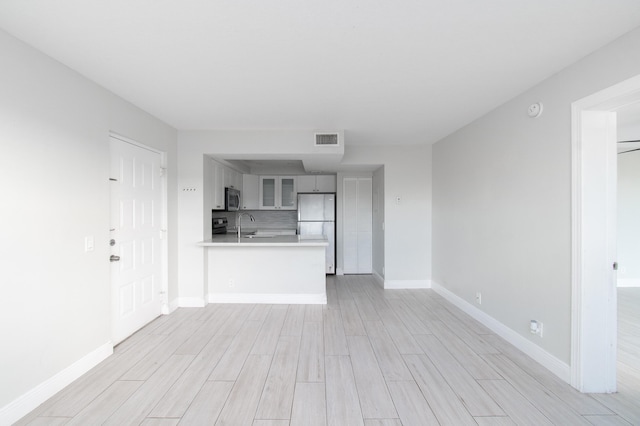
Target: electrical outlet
(232, 282)
(536, 327)
(479, 298)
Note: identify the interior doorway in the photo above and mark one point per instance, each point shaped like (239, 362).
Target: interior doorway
(628, 243)
(594, 251)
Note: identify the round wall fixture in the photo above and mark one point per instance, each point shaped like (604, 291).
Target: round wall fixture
(535, 110)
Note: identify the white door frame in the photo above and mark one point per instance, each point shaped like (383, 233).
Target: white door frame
(164, 285)
(593, 209)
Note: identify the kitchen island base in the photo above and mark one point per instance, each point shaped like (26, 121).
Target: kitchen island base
(260, 273)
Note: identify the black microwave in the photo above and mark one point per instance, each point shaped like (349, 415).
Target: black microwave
(231, 199)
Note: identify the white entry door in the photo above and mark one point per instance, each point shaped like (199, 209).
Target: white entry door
(136, 259)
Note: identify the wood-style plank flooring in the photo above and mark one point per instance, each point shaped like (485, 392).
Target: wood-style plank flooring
(369, 357)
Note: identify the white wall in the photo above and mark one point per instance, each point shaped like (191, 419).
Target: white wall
(501, 194)
(54, 164)
(629, 219)
(629, 131)
(407, 235)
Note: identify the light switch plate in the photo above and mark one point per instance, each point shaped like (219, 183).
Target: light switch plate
(88, 243)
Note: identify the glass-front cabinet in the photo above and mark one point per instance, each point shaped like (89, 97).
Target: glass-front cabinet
(278, 193)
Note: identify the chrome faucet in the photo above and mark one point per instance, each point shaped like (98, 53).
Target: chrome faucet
(239, 222)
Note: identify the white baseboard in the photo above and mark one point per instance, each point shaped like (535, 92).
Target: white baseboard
(287, 299)
(190, 302)
(173, 305)
(26, 403)
(379, 278)
(339, 271)
(406, 284)
(629, 282)
(550, 362)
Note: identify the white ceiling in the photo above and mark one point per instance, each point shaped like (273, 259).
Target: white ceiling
(387, 72)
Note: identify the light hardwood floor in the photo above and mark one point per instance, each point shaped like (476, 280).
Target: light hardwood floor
(369, 357)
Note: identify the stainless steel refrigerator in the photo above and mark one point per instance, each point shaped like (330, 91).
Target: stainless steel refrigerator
(317, 216)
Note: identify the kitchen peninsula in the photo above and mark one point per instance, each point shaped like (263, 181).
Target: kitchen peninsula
(286, 269)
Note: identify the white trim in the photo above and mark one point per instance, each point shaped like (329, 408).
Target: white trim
(26, 403)
(553, 364)
(172, 306)
(190, 302)
(628, 282)
(134, 142)
(164, 182)
(406, 284)
(339, 271)
(379, 278)
(287, 299)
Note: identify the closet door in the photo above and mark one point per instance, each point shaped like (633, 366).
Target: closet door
(350, 226)
(357, 225)
(365, 227)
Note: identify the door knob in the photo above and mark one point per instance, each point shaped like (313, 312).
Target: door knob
(112, 242)
(114, 258)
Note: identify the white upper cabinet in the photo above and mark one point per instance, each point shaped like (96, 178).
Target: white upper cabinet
(288, 193)
(278, 193)
(306, 183)
(217, 185)
(250, 192)
(232, 179)
(218, 178)
(316, 183)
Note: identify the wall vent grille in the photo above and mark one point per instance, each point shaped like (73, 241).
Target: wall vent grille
(326, 139)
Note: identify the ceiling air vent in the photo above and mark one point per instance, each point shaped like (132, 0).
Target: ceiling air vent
(326, 139)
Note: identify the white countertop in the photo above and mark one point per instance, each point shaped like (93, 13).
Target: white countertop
(231, 240)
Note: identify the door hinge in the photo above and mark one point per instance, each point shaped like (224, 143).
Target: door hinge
(163, 171)
(615, 266)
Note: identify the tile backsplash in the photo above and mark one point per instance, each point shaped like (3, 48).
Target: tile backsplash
(265, 219)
